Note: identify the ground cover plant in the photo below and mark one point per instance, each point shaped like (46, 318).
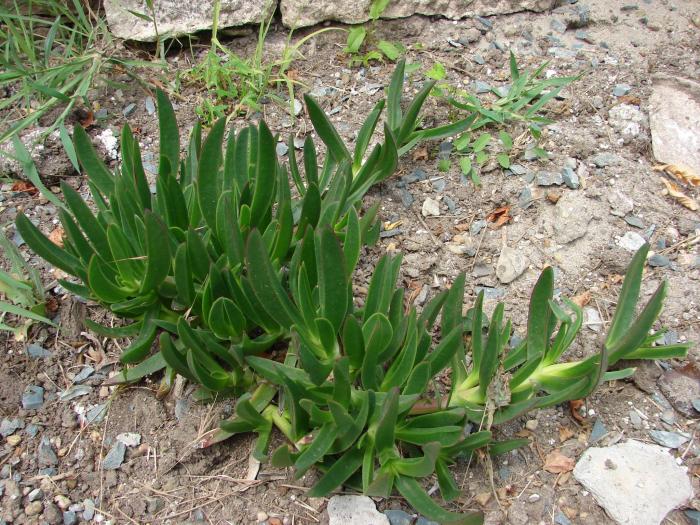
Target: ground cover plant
(226, 265)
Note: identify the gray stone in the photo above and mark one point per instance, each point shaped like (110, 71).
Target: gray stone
(129, 110)
(398, 517)
(621, 90)
(674, 118)
(150, 105)
(631, 241)
(74, 391)
(634, 221)
(511, 264)
(354, 510)
(300, 13)
(557, 25)
(658, 260)
(281, 149)
(85, 373)
(476, 227)
(88, 509)
(175, 18)
(32, 397)
(10, 426)
(549, 178)
(634, 482)
(36, 351)
(571, 178)
(620, 204)
(603, 160)
(598, 432)
(668, 439)
(115, 456)
(681, 389)
(45, 453)
(570, 218)
(431, 208)
(35, 494)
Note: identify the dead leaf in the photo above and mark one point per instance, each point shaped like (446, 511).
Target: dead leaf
(675, 192)
(499, 217)
(553, 196)
(24, 186)
(420, 153)
(56, 236)
(565, 433)
(482, 498)
(574, 405)
(629, 99)
(681, 173)
(582, 299)
(557, 463)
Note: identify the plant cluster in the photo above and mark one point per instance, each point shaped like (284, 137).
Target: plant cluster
(521, 102)
(236, 84)
(363, 47)
(228, 270)
(21, 293)
(51, 54)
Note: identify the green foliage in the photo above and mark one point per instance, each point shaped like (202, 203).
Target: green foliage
(233, 84)
(222, 265)
(51, 54)
(362, 44)
(522, 105)
(21, 293)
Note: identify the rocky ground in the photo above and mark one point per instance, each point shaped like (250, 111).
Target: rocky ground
(74, 451)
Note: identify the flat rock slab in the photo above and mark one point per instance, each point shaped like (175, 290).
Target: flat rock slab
(636, 483)
(354, 510)
(177, 18)
(300, 13)
(674, 117)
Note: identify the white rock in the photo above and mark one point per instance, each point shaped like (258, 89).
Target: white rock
(591, 319)
(636, 483)
(130, 439)
(177, 18)
(674, 117)
(354, 510)
(511, 264)
(571, 217)
(627, 120)
(299, 13)
(431, 207)
(620, 204)
(631, 241)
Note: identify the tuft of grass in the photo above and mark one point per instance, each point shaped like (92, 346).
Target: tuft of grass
(234, 84)
(51, 54)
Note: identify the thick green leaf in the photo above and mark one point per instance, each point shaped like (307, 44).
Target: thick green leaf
(169, 131)
(157, 252)
(629, 295)
(419, 500)
(326, 130)
(44, 248)
(539, 315)
(338, 473)
(95, 169)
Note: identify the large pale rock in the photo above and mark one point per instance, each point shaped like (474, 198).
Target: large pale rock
(636, 483)
(176, 18)
(354, 510)
(674, 117)
(300, 13)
